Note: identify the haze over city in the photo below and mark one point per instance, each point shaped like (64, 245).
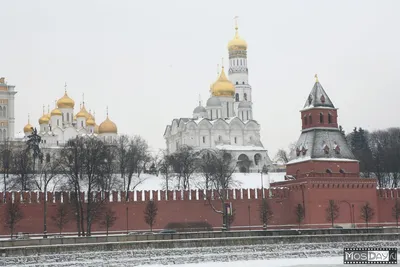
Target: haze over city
(148, 61)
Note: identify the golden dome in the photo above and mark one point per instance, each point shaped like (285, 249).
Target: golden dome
(65, 102)
(237, 43)
(83, 113)
(90, 122)
(107, 126)
(223, 87)
(28, 127)
(96, 129)
(56, 112)
(44, 119)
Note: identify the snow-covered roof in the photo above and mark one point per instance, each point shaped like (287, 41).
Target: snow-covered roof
(307, 158)
(240, 148)
(318, 98)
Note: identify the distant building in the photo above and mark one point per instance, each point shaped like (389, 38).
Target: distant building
(7, 119)
(226, 122)
(60, 125)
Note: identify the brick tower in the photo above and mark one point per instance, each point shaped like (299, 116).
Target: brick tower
(323, 168)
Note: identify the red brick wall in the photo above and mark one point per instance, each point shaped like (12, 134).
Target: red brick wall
(316, 194)
(315, 113)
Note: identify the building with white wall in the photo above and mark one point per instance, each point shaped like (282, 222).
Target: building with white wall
(226, 122)
(7, 119)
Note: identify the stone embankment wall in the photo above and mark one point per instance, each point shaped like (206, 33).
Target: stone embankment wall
(66, 245)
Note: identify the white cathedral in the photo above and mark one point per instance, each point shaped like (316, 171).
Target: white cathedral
(226, 122)
(60, 125)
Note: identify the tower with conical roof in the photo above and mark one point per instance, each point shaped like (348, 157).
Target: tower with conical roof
(322, 148)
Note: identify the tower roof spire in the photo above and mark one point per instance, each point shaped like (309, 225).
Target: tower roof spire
(65, 87)
(318, 97)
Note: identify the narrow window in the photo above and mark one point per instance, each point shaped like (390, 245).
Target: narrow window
(305, 120)
(235, 140)
(81, 123)
(247, 113)
(58, 122)
(310, 118)
(329, 118)
(63, 117)
(211, 115)
(219, 138)
(67, 116)
(321, 118)
(204, 139)
(227, 110)
(245, 96)
(237, 96)
(237, 82)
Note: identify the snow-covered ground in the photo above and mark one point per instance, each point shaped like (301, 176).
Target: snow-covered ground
(304, 254)
(245, 180)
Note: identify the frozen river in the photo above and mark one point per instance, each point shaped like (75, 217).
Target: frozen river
(315, 254)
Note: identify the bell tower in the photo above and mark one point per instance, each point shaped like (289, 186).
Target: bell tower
(238, 71)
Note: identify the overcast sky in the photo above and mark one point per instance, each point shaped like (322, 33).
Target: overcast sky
(148, 61)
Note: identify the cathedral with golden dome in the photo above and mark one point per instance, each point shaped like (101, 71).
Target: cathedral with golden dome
(61, 124)
(226, 121)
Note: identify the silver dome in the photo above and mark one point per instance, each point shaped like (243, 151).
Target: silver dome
(213, 102)
(199, 109)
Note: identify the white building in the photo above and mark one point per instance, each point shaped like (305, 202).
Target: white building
(7, 119)
(60, 125)
(226, 122)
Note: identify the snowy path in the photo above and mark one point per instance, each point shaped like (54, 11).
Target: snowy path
(207, 256)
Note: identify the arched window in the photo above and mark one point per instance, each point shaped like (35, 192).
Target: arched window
(235, 140)
(237, 82)
(310, 119)
(5, 112)
(81, 123)
(305, 120)
(329, 118)
(58, 122)
(67, 116)
(237, 96)
(219, 138)
(204, 139)
(257, 159)
(247, 113)
(321, 117)
(211, 114)
(245, 96)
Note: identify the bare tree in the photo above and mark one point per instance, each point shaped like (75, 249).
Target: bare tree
(266, 213)
(332, 212)
(33, 144)
(221, 179)
(207, 168)
(62, 216)
(83, 161)
(367, 213)
(396, 212)
(107, 179)
(137, 157)
(184, 164)
(299, 211)
(6, 152)
(22, 168)
(164, 166)
(282, 155)
(13, 215)
(109, 219)
(50, 169)
(121, 155)
(150, 213)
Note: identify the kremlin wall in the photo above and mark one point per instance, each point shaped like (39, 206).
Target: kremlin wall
(192, 206)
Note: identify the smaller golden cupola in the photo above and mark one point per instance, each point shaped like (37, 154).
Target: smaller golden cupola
(83, 112)
(44, 119)
(28, 127)
(56, 111)
(223, 87)
(107, 126)
(90, 121)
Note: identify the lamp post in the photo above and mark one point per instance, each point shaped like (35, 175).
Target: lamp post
(249, 217)
(45, 196)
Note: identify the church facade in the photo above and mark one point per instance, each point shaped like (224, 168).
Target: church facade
(62, 124)
(226, 122)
